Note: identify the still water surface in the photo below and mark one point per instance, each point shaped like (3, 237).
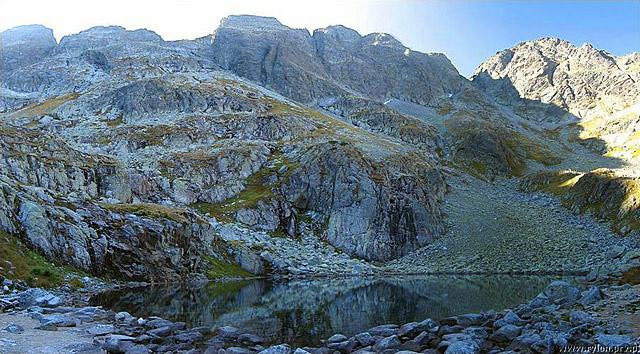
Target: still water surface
(303, 312)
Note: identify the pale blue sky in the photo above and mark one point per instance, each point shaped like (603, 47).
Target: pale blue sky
(468, 32)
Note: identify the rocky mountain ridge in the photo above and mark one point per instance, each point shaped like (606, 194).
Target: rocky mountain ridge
(130, 156)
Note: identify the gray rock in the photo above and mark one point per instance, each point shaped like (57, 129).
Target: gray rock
(414, 328)
(123, 317)
(14, 328)
(160, 331)
(250, 339)
(521, 65)
(590, 296)
(509, 318)
(612, 340)
(463, 347)
(390, 342)
(470, 319)
(117, 343)
(188, 336)
(346, 346)
(365, 339)
(561, 292)
(383, 330)
(238, 350)
(337, 338)
(577, 318)
(100, 329)
(136, 349)
(277, 349)
(229, 332)
(506, 333)
(157, 323)
(37, 297)
(525, 340)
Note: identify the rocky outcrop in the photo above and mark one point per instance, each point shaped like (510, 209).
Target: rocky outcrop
(376, 117)
(72, 208)
(551, 79)
(332, 62)
(156, 96)
(603, 193)
(379, 66)
(488, 148)
(372, 210)
(24, 45)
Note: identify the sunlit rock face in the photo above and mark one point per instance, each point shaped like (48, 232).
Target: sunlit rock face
(583, 81)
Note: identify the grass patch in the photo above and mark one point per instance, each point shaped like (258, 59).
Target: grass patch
(115, 122)
(153, 211)
(64, 204)
(556, 182)
(44, 107)
(217, 289)
(600, 192)
(445, 109)
(76, 284)
(28, 265)
(223, 269)
(256, 189)
(631, 276)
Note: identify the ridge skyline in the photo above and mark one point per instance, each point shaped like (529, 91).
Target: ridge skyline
(468, 32)
(312, 32)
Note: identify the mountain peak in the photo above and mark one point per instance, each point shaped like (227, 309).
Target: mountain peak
(27, 34)
(339, 32)
(251, 22)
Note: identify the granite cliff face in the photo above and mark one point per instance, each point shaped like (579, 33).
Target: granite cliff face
(551, 80)
(331, 62)
(262, 148)
(582, 81)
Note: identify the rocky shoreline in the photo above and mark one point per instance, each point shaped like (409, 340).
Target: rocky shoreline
(562, 316)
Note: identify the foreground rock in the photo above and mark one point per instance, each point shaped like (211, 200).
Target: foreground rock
(560, 316)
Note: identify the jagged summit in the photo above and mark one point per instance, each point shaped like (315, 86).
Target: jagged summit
(581, 80)
(339, 32)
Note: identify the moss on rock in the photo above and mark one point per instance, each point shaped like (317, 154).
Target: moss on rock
(20, 263)
(603, 193)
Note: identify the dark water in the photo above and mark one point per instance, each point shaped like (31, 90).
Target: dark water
(304, 311)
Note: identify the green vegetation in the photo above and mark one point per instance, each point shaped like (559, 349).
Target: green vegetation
(484, 147)
(153, 211)
(631, 276)
(223, 269)
(479, 167)
(607, 196)
(64, 204)
(29, 266)
(555, 182)
(216, 289)
(256, 189)
(76, 283)
(115, 122)
(445, 109)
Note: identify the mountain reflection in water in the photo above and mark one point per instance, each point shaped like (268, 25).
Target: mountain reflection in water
(303, 312)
